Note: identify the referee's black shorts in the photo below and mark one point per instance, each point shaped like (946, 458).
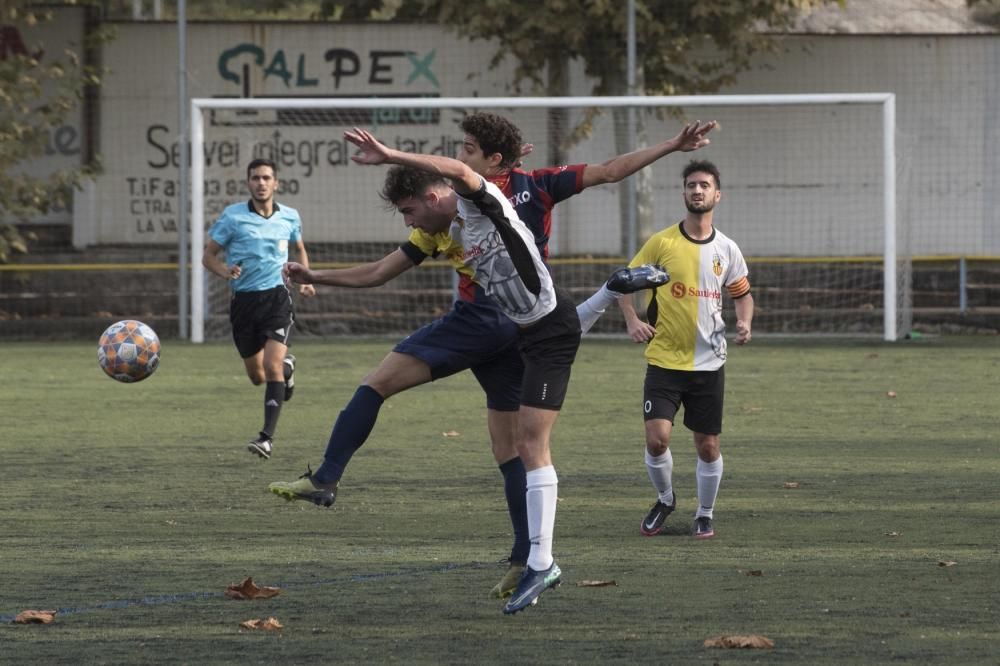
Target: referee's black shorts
(259, 315)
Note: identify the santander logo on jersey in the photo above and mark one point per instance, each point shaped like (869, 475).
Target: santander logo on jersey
(680, 290)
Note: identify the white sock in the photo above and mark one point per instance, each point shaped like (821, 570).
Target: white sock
(661, 469)
(541, 498)
(709, 476)
(591, 309)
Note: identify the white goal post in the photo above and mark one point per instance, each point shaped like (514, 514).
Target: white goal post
(792, 164)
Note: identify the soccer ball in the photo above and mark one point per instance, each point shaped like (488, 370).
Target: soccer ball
(129, 351)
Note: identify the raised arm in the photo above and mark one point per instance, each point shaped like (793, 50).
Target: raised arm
(692, 137)
(371, 274)
(372, 151)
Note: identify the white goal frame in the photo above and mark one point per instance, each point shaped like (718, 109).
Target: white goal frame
(886, 100)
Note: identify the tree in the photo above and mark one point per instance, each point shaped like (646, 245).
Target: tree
(38, 90)
(986, 12)
(683, 47)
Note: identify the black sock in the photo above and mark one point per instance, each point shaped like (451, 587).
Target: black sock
(515, 488)
(274, 395)
(350, 431)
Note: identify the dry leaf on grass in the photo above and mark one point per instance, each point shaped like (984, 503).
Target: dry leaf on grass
(791, 484)
(893, 534)
(451, 433)
(270, 624)
(35, 617)
(249, 590)
(890, 394)
(750, 641)
(596, 583)
(753, 572)
(946, 563)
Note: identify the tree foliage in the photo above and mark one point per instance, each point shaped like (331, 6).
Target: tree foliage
(683, 46)
(986, 12)
(38, 90)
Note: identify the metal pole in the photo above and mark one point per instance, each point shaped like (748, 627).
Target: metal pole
(889, 215)
(197, 224)
(963, 285)
(182, 175)
(632, 219)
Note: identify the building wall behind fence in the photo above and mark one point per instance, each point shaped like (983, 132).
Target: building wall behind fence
(947, 99)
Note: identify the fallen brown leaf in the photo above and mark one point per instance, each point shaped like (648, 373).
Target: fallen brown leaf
(893, 534)
(35, 617)
(946, 563)
(249, 590)
(596, 583)
(452, 433)
(890, 394)
(753, 572)
(749, 641)
(270, 624)
(791, 484)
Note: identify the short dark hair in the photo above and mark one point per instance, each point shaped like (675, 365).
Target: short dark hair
(706, 167)
(495, 134)
(259, 162)
(402, 182)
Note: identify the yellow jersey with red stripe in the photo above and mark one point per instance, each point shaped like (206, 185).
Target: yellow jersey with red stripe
(687, 311)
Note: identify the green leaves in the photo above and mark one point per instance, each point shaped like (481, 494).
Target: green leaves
(39, 88)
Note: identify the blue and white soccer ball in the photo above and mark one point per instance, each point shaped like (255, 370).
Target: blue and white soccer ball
(129, 351)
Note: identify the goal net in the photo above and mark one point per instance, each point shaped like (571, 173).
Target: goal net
(808, 185)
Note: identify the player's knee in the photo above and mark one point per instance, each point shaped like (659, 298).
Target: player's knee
(657, 447)
(707, 447)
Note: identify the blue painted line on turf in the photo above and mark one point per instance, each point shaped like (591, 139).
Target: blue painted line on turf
(158, 600)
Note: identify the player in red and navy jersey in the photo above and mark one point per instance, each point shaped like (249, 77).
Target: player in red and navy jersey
(488, 146)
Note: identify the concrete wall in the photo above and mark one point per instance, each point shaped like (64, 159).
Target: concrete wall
(796, 181)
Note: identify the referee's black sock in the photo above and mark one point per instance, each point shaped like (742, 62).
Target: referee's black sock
(274, 395)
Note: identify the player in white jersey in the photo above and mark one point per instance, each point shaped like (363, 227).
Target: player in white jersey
(501, 251)
(686, 349)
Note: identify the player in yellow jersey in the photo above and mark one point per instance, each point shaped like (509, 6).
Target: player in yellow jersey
(686, 349)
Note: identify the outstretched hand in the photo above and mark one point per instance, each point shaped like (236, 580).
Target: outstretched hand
(372, 150)
(695, 135)
(295, 273)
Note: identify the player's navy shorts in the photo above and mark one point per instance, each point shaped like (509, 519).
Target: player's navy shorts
(259, 315)
(701, 392)
(549, 348)
(474, 335)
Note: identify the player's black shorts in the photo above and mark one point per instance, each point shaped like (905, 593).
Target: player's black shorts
(548, 348)
(259, 315)
(474, 335)
(701, 392)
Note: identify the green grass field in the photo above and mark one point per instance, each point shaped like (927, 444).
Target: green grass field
(130, 508)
